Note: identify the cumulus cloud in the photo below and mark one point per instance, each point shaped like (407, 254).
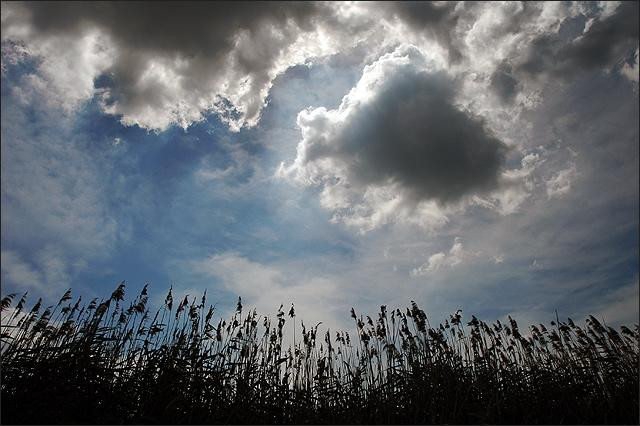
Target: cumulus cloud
(419, 137)
(66, 68)
(168, 64)
(172, 63)
(397, 140)
(441, 260)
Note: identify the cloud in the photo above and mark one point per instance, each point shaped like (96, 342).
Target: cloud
(170, 63)
(440, 260)
(13, 54)
(491, 35)
(46, 275)
(516, 186)
(173, 63)
(56, 214)
(535, 265)
(631, 70)
(266, 287)
(515, 48)
(67, 66)
(50, 189)
(560, 183)
(16, 270)
(436, 21)
(620, 306)
(396, 141)
(504, 83)
(607, 37)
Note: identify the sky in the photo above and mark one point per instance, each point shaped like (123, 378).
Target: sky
(475, 156)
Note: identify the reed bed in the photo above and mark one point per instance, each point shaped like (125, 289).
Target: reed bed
(106, 362)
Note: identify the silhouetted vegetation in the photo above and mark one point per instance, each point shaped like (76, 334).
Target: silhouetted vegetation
(104, 362)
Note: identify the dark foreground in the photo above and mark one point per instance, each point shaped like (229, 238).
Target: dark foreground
(105, 362)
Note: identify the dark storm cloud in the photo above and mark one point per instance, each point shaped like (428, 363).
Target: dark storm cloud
(188, 28)
(407, 131)
(413, 135)
(606, 41)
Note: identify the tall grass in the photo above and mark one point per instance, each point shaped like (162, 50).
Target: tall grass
(107, 362)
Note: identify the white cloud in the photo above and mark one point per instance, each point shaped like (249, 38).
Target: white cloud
(13, 54)
(631, 71)
(214, 174)
(46, 275)
(49, 193)
(54, 207)
(560, 184)
(67, 68)
(516, 186)
(535, 265)
(54, 266)
(440, 260)
(266, 287)
(16, 270)
(620, 306)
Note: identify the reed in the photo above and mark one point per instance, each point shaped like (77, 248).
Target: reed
(105, 362)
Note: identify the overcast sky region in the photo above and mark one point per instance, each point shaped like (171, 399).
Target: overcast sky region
(465, 155)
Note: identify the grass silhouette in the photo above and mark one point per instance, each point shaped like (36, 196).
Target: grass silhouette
(103, 362)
